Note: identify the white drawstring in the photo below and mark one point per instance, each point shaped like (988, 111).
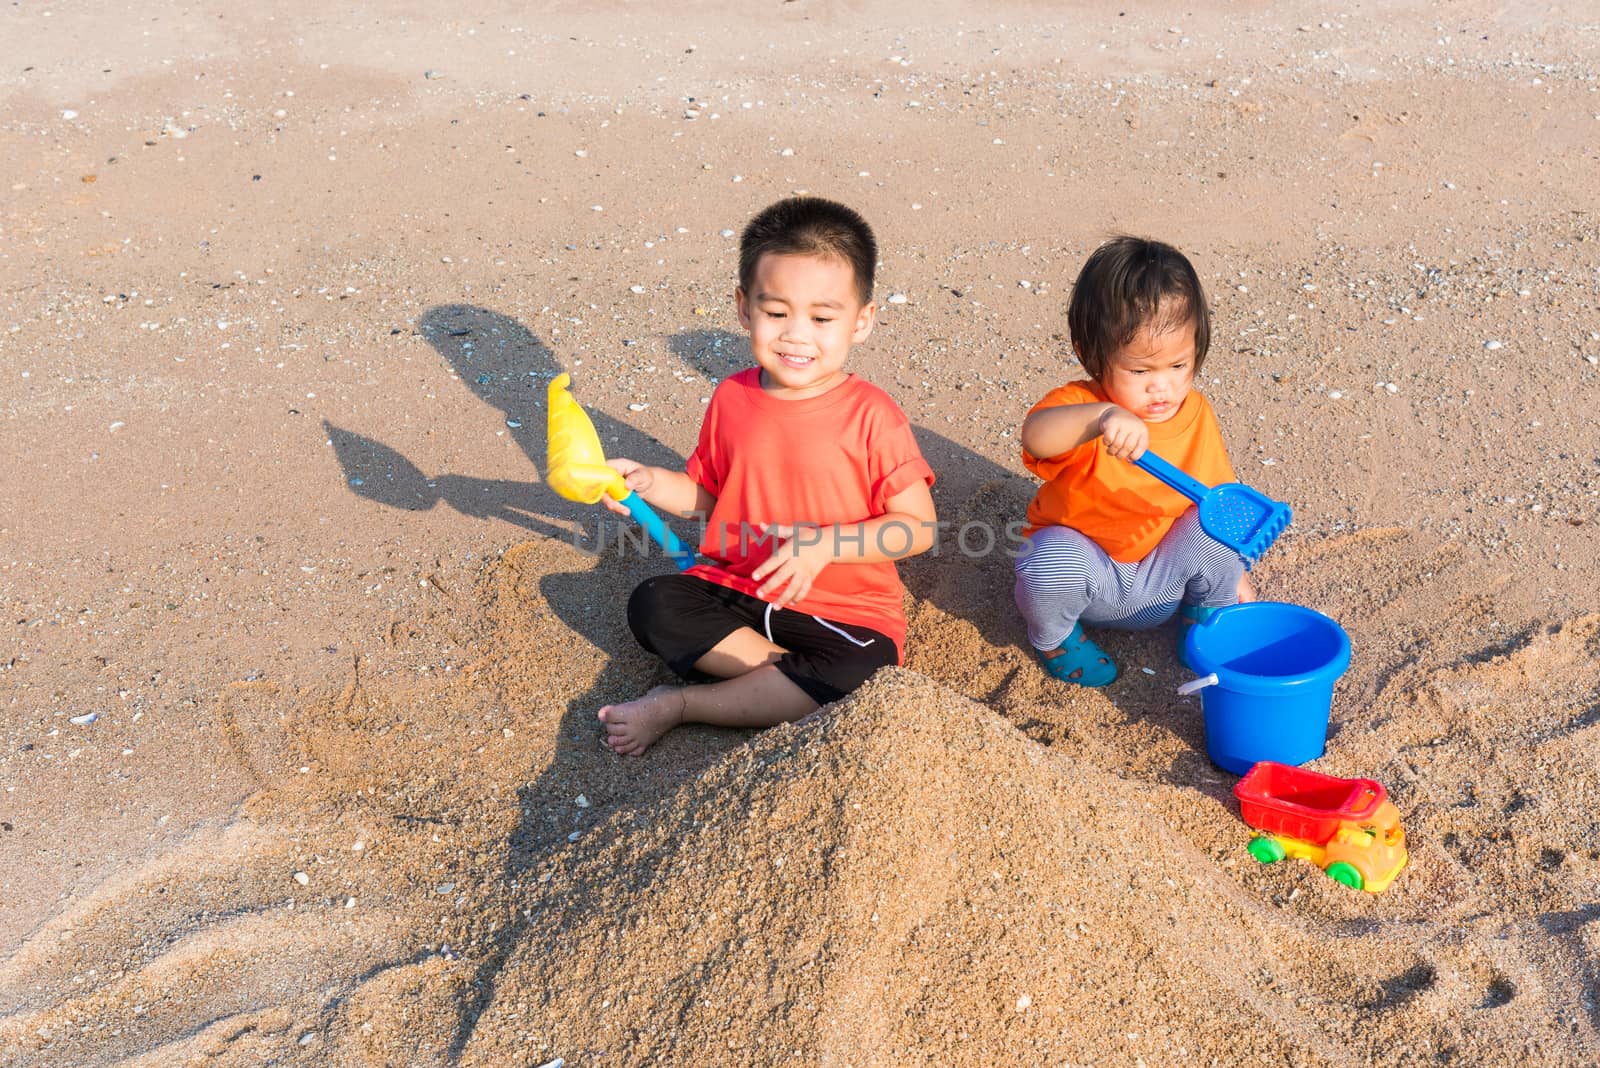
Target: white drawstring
(847, 637)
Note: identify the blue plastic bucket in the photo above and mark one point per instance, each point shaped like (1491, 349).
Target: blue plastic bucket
(1276, 665)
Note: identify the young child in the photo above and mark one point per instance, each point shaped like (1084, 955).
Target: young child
(812, 486)
(1108, 544)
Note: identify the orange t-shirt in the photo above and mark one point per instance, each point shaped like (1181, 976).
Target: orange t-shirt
(833, 458)
(1126, 510)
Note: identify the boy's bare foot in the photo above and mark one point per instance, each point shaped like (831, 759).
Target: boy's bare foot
(634, 726)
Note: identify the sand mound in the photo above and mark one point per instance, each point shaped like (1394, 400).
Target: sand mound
(907, 878)
(986, 867)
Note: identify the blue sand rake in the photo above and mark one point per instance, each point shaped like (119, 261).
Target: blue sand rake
(1236, 515)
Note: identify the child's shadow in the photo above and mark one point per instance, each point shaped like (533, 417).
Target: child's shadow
(509, 368)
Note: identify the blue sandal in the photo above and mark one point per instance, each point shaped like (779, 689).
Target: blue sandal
(1078, 661)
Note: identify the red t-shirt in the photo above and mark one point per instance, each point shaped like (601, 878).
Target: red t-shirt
(1125, 509)
(833, 458)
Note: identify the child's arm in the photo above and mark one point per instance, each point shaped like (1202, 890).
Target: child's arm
(670, 491)
(1053, 431)
(907, 527)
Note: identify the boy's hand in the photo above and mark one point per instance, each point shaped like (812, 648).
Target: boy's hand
(1125, 434)
(794, 565)
(637, 476)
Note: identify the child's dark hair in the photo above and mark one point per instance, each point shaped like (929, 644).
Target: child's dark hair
(810, 226)
(1129, 284)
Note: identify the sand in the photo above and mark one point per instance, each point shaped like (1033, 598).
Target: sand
(279, 297)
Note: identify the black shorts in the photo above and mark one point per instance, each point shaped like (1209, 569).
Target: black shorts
(681, 618)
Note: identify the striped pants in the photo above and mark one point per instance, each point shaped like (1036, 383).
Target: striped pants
(1063, 576)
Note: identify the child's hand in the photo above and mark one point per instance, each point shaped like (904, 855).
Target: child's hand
(794, 564)
(1125, 434)
(637, 476)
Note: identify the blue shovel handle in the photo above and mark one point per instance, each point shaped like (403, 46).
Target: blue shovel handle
(1172, 476)
(663, 536)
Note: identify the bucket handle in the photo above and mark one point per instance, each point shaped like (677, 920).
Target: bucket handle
(1196, 685)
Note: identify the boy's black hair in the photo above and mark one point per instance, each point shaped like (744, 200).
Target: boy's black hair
(810, 226)
(1129, 284)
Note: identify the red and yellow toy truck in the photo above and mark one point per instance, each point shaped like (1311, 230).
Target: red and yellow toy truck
(1347, 827)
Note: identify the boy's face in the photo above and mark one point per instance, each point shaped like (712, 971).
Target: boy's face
(803, 315)
(1152, 374)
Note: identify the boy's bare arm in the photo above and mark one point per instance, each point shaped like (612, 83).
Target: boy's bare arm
(1054, 431)
(908, 527)
(670, 491)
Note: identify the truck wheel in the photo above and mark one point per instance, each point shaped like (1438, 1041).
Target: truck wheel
(1341, 872)
(1266, 850)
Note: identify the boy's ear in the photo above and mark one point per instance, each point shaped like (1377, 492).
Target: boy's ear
(742, 302)
(864, 322)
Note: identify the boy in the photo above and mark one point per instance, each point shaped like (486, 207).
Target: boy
(1108, 543)
(812, 486)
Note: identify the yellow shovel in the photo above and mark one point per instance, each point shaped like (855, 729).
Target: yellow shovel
(578, 470)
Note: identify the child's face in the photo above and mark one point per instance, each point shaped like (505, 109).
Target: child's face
(1152, 374)
(803, 315)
